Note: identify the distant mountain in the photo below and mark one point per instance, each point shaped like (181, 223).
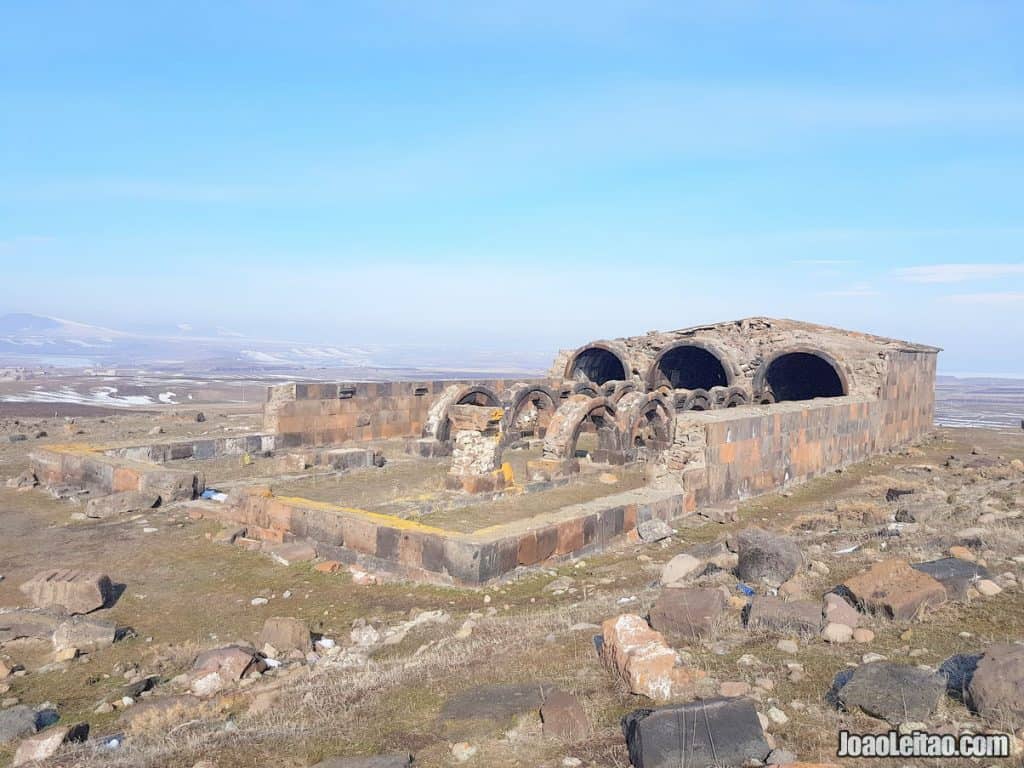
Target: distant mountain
(28, 339)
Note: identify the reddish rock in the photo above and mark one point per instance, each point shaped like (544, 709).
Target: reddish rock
(286, 634)
(895, 589)
(69, 590)
(685, 614)
(642, 659)
(564, 717)
(328, 566)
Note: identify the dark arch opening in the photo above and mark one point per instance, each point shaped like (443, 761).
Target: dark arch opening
(802, 376)
(598, 365)
(689, 367)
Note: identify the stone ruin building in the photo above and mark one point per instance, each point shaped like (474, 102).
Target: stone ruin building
(520, 472)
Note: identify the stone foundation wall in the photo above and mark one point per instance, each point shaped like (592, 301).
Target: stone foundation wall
(334, 413)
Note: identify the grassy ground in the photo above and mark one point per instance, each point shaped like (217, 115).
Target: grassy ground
(184, 593)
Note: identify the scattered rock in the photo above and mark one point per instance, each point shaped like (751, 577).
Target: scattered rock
(896, 693)
(124, 503)
(837, 633)
(84, 632)
(69, 590)
(564, 718)
(643, 660)
(788, 646)
(780, 757)
(837, 609)
(863, 635)
(679, 567)
(653, 530)
(777, 716)
(21, 623)
(295, 552)
(286, 634)
(895, 589)
(231, 662)
(686, 614)
(996, 688)
(956, 574)
(772, 614)
(716, 731)
(988, 588)
(766, 557)
(732, 689)
(26, 481)
(44, 745)
(200, 417)
(463, 751)
(16, 722)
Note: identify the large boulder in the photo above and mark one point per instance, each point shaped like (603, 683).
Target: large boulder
(767, 557)
(69, 590)
(643, 660)
(230, 663)
(996, 689)
(894, 589)
(286, 634)
(83, 633)
(837, 610)
(680, 567)
(44, 745)
(17, 722)
(124, 503)
(896, 693)
(707, 732)
(801, 617)
(20, 623)
(686, 614)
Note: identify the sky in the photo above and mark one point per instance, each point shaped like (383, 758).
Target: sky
(518, 175)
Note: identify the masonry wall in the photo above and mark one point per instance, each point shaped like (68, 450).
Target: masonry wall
(759, 449)
(334, 413)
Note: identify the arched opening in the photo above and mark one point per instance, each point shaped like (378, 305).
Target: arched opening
(438, 425)
(646, 423)
(584, 427)
(598, 365)
(530, 410)
(801, 376)
(688, 366)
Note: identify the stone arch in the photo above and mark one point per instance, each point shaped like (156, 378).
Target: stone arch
(800, 373)
(585, 388)
(692, 400)
(735, 397)
(690, 364)
(616, 390)
(574, 416)
(645, 421)
(522, 397)
(598, 362)
(438, 425)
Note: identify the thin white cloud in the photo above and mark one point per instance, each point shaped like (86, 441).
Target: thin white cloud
(997, 297)
(957, 273)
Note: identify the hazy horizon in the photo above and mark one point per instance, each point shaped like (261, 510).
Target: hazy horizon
(522, 179)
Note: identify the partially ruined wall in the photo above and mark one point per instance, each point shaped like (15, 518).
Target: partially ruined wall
(334, 413)
(743, 346)
(742, 452)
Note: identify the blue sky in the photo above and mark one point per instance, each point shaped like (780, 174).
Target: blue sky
(520, 175)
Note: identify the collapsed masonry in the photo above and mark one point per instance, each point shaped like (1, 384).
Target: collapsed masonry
(713, 414)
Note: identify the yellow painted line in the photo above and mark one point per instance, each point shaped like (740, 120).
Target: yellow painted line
(377, 517)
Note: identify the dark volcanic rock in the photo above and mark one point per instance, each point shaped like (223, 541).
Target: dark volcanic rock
(896, 693)
(954, 574)
(564, 717)
(996, 689)
(684, 614)
(801, 617)
(495, 702)
(720, 732)
(767, 557)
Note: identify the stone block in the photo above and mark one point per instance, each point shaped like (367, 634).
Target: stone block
(893, 588)
(69, 590)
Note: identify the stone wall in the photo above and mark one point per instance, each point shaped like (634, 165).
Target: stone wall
(760, 449)
(334, 413)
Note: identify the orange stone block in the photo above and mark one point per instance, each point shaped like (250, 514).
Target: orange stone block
(125, 479)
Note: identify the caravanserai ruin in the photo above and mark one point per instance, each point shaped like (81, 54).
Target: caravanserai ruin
(466, 481)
